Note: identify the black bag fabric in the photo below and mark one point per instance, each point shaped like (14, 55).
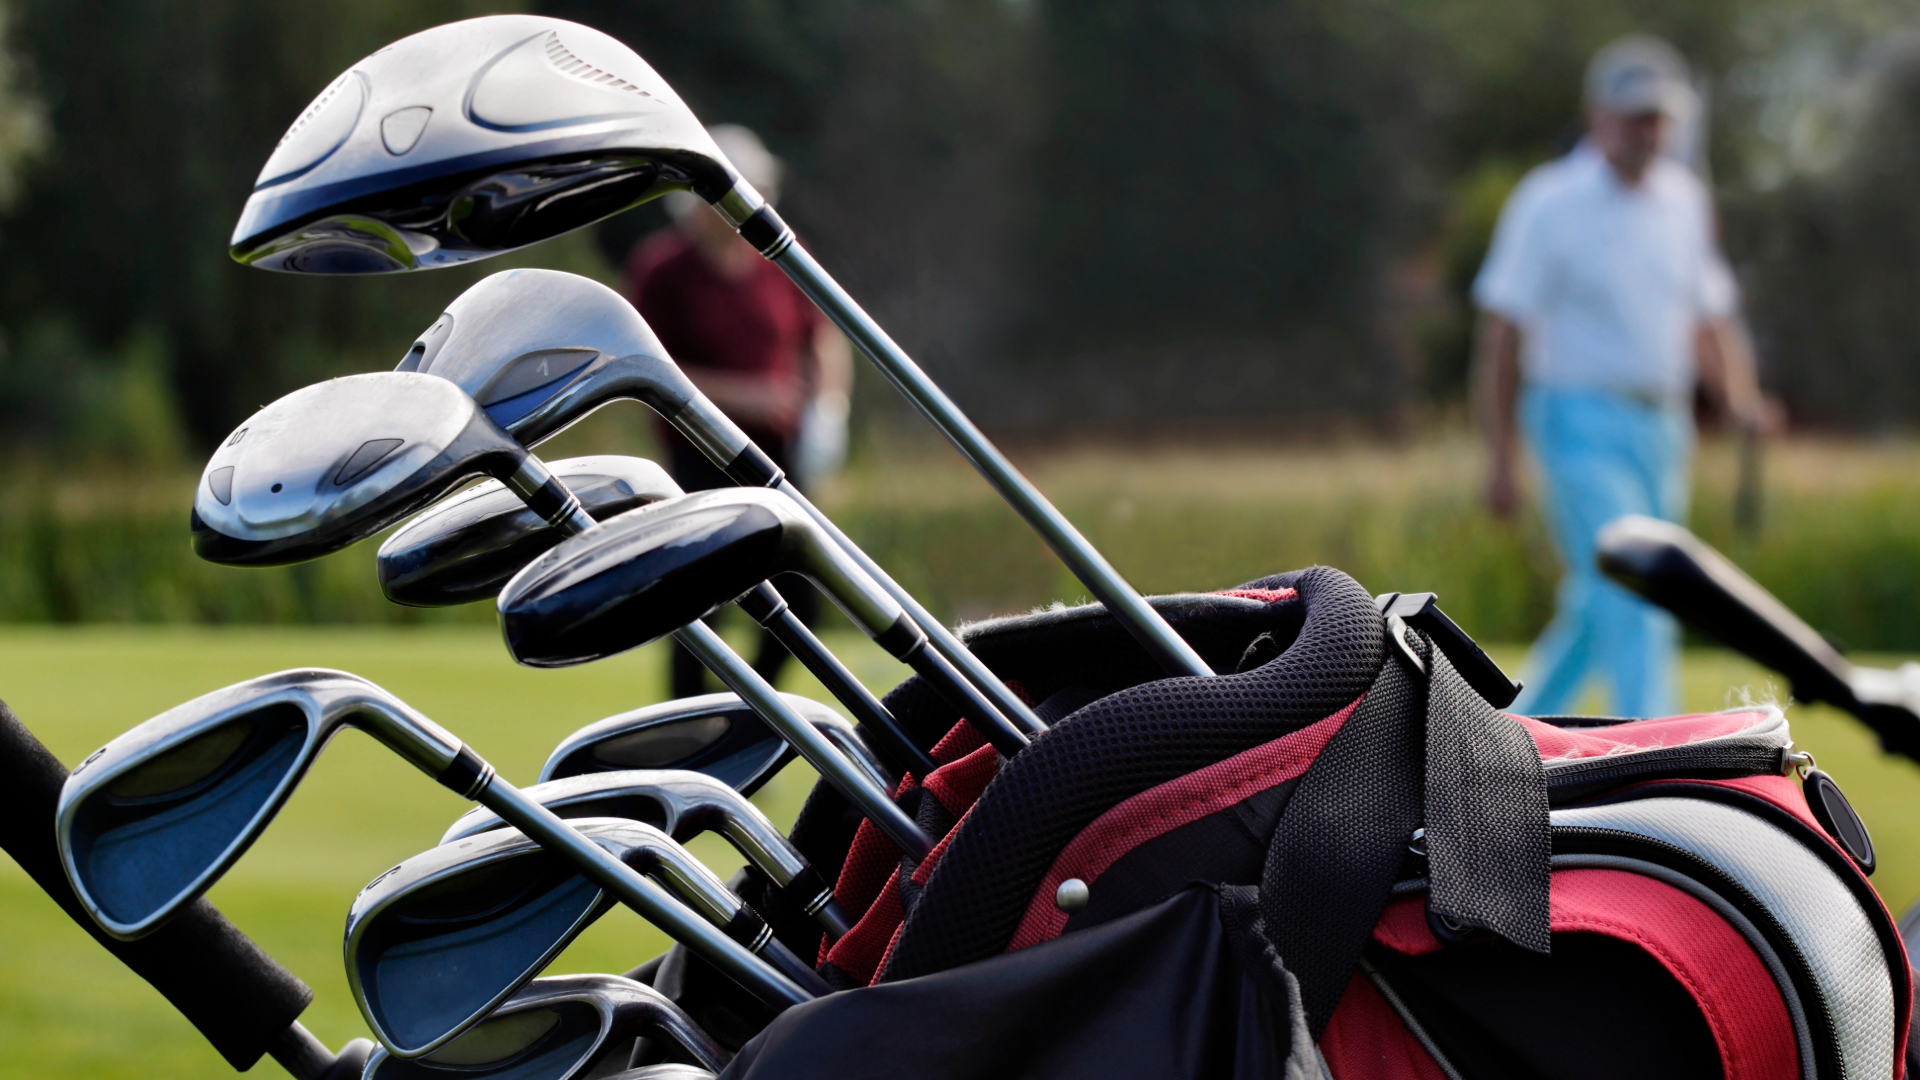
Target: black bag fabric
(1186, 988)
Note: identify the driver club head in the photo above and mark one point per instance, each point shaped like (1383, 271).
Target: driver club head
(435, 944)
(151, 820)
(331, 464)
(716, 734)
(641, 576)
(559, 1028)
(465, 548)
(468, 140)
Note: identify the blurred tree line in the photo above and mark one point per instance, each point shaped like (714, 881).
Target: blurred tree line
(1119, 214)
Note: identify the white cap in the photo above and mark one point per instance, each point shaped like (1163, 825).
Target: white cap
(1640, 74)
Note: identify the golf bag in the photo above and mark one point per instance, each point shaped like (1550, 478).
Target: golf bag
(1336, 858)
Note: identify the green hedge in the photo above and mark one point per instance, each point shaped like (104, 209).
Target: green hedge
(1848, 559)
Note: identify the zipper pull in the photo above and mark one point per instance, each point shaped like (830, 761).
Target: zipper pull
(1831, 808)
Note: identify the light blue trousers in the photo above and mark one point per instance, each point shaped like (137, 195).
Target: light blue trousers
(1603, 455)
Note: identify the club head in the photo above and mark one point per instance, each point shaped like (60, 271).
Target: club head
(682, 804)
(151, 820)
(465, 548)
(560, 1028)
(640, 576)
(1671, 567)
(467, 140)
(716, 734)
(438, 942)
(336, 462)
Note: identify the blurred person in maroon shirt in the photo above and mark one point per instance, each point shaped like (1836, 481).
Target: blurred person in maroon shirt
(754, 344)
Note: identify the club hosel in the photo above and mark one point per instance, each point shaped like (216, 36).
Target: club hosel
(546, 496)
(749, 929)
(754, 218)
(903, 640)
(763, 603)
(468, 776)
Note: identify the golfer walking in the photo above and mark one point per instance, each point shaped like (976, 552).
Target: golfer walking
(1603, 302)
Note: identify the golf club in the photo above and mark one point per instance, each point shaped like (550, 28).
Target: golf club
(438, 942)
(716, 734)
(312, 450)
(635, 578)
(149, 821)
(682, 804)
(558, 1028)
(331, 464)
(465, 548)
(1671, 567)
(490, 134)
(540, 349)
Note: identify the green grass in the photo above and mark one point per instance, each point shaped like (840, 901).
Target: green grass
(68, 1011)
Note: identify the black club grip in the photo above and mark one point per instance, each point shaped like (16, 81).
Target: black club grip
(212, 973)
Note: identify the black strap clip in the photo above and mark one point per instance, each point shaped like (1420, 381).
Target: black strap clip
(1421, 611)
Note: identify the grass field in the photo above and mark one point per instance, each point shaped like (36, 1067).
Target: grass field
(67, 1010)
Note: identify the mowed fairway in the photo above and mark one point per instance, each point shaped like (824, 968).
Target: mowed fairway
(68, 1010)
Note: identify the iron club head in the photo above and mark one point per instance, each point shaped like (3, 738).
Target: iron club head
(559, 1028)
(149, 821)
(465, 548)
(438, 942)
(467, 140)
(336, 462)
(682, 804)
(716, 734)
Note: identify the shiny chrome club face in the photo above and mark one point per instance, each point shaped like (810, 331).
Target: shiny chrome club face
(151, 820)
(436, 943)
(716, 734)
(336, 462)
(468, 546)
(557, 1028)
(467, 140)
(540, 349)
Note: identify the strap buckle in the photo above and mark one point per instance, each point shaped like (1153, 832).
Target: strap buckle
(1421, 611)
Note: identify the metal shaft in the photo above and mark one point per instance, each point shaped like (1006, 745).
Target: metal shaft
(977, 673)
(1087, 564)
(770, 610)
(947, 681)
(846, 777)
(641, 894)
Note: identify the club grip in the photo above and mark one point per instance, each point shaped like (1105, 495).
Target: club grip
(212, 973)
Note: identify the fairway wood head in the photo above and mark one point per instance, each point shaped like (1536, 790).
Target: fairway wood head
(716, 734)
(438, 942)
(336, 462)
(559, 1028)
(471, 139)
(465, 548)
(540, 349)
(149, 821)
(640, 576)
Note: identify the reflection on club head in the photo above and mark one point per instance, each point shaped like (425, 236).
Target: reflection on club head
(336, 462)
(716, 734)
(152, 819)
(467, 140)
(465, 548)
(557, 1028)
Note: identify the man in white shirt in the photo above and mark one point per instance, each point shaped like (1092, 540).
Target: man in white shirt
(1603, 299)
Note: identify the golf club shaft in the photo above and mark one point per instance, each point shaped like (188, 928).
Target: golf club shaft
(1087, 564)
(947, 681)
(846, 777)
(641, 894)
(771, 611)
(1008, 703)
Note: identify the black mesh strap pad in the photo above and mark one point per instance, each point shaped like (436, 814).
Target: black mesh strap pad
(214, 974)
